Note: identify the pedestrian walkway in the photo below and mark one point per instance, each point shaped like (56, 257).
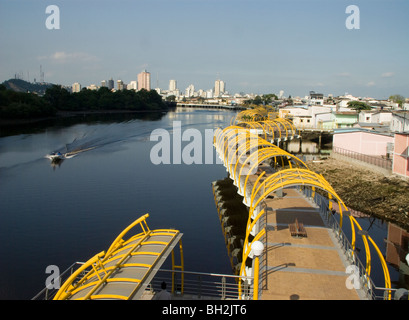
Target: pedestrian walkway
(310, 267)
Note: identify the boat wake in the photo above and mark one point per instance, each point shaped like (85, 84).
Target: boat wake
(90, 140)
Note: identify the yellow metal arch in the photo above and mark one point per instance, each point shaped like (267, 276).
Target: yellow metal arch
(260, 155)
(297, 175)
(124, 269)
(304, 177)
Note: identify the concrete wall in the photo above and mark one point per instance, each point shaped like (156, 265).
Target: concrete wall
(400, 156)
(363, 142)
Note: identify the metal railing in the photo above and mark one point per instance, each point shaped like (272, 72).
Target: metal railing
(201, 285)
(183, 285)
(366, 284)
(49, 293)
(377, 161)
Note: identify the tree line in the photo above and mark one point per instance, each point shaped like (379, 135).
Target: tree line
(22, 105)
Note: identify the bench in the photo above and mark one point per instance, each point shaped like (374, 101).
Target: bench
(297, 229)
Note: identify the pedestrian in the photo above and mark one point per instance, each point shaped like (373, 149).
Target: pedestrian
(163, 294)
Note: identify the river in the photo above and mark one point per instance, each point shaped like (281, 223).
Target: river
(62, 214)
(57, 215)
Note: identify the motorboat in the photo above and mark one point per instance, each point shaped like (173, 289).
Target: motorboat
(55, 156)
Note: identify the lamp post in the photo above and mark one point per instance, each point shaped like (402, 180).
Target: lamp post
(257, 247)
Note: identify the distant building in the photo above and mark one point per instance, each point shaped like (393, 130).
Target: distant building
(219, 88)
(110, 84)
(120, 85)
(133, 85)
(76, 87)
(172, 85)
(144, 80)
(92, 87)
(190, 91)
(103, 83)
(399, 121)
(315, 98)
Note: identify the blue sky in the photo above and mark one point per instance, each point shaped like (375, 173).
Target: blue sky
(255, 46)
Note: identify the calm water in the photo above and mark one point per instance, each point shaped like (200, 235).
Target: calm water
(59, 215)
(56, 216)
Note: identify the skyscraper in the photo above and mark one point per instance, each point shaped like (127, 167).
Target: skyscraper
(219, 88)
(144, 80)
(110, 84)
(120, 84)
(76, 87)
(172, 85)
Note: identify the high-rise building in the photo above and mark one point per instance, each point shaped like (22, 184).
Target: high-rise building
(110, 84)
(190, 91)
(76, 87)
(144, 80)
(172, 85)
(120, 85)
(219, 88)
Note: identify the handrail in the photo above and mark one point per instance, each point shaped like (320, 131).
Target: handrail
(336, 227)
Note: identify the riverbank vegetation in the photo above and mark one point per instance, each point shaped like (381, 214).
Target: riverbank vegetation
(369, 192)
(26, 105)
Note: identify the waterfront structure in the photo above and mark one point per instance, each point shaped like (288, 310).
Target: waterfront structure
(144, 80)
(295, 223)
(76, 87)
(125, 270)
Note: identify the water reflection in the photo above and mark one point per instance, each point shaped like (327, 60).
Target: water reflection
(397, 248)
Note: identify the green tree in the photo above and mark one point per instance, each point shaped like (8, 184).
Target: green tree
(358, 106)
(397, 98)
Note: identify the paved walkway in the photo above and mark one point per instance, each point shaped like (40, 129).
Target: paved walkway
(311, 267)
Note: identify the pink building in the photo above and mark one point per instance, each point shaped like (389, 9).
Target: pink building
(401, 154)
(365, 142)
(144, 80)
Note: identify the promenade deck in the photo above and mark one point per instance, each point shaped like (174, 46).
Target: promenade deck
(306, 267)
(311, 267)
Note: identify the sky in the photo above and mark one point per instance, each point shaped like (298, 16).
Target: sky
(255, 46)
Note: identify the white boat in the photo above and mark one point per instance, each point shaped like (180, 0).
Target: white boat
(55, 156)
(58, 156)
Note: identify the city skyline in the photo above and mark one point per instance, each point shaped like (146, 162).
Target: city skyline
(254, 46)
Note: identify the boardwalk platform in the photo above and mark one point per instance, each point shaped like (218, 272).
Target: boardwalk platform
(311, 267)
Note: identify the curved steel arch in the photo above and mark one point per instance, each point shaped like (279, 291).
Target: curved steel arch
(264, 154)
(304, 177)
